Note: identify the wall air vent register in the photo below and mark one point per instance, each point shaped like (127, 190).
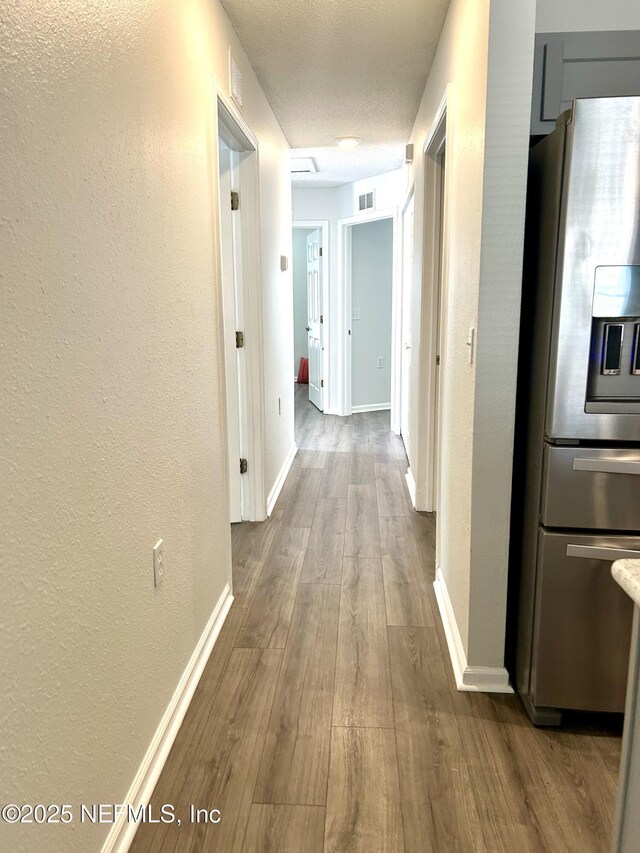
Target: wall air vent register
(367, 201)
(235, 81)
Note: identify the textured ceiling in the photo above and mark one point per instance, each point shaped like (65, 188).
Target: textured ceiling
(342, 68)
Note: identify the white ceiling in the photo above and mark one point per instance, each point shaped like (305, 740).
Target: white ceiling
(342, 68)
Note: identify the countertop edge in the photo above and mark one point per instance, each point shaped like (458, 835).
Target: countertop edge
(627, 574)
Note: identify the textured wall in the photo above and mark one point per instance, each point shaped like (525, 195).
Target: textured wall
(461, 64)
(488, 71)
(506, 157)
(111, 433)
(388, 189)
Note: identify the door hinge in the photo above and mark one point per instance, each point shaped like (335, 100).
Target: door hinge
(322, 318)
(320, 253)
(437, 359)
(239, 340)
(322, 383)
(235, 200)
(244, 466)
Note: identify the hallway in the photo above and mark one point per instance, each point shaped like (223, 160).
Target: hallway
(327, 717)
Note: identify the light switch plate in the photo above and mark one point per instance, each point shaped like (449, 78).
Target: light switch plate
(284, 263)
(471, 341)
(158, 563)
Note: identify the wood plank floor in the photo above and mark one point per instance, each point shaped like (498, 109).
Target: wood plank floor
(327, 718)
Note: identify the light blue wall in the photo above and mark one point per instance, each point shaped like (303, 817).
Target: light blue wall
(371, 279)
(300, 340)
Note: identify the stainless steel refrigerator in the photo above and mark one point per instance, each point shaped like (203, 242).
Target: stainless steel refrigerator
(579, 411)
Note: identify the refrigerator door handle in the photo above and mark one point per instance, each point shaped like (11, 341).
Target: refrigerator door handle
(607, 466)
(592, 552)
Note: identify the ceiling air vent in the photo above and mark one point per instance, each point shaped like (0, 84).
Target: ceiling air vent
(303, 166)
(366, 201)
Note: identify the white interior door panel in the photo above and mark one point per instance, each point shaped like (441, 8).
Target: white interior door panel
(315, 317)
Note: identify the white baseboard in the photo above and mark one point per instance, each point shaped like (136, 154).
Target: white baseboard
(371, 407)
(480, 679)
(411, 485)
(279, 483)
(122, 832)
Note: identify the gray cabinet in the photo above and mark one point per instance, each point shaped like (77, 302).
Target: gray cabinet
(581, 65)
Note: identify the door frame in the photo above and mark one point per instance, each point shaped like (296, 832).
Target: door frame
(345, 225)
(323, 225)
(230, 280)
(434, 304)
(229, 124)
(410, 196)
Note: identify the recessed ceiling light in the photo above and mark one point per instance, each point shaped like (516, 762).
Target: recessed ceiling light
(348, 141)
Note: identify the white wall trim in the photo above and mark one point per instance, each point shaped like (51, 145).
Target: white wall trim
(405, 285)
(244, 136)
(371, 407)
(436, 121)
(411, 485)
(479, 679)
(433, 307)
(122, 832)
(282, 476)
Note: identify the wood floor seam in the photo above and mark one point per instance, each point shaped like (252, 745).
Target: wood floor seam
(395, 736)
(264, 743)
(335, 671)
(305, 805)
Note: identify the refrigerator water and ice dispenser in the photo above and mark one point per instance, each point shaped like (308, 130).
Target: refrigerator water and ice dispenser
(614, 361)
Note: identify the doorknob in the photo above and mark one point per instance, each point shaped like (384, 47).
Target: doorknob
(308, 328)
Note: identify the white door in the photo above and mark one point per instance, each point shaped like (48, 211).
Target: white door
(228, 174)
(314, 317)
(405, 354)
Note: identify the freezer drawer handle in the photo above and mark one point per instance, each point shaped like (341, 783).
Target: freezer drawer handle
(592, 552)
(607, 466)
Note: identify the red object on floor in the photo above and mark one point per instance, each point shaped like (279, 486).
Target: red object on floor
(303, 372)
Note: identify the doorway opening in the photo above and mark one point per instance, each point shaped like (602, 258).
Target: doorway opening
(436, 240)
(237, 213)
(434, 313)
(370, 316)
(404, 386)
(310, 309)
